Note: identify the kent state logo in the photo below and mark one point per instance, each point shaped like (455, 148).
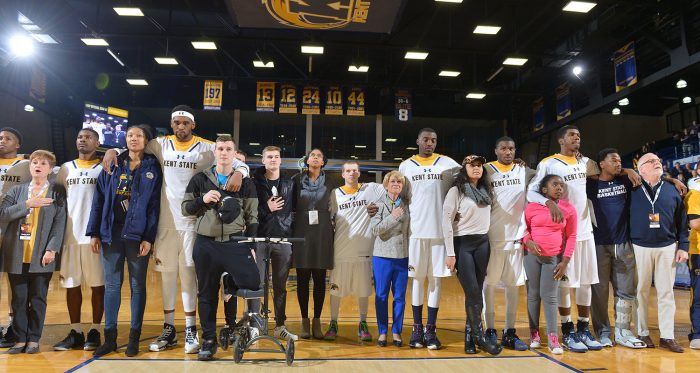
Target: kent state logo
(318, 14)
(180, 156)
(411, 269)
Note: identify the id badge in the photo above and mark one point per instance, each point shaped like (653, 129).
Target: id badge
(125, 205)
(313, 217)
(654, 221)
(25, 231)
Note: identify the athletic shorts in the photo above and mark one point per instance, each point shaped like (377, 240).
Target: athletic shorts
(79, 265)
(173, 249)
(505, 264)
(583, 266)
(426, 257)
(348, 278)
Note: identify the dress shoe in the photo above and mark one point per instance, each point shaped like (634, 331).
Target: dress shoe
(16, 350)
(646, 339)
(671, 345)
(32, 350)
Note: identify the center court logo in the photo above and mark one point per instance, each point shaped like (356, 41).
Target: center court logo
(318, 14)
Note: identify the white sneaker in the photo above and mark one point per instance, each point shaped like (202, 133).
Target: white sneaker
(625, 337)
(191, 340)
(281, 332)
(168, 338)
(695, 344)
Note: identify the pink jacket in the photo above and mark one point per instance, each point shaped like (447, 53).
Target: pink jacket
(552, 237)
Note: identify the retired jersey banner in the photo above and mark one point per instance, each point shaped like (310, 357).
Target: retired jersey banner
(265, 96)
(345, 15)
(563, 101)
(213, 91)
(402, 106)
(310, 100)
(356, 102)
(334, 101)
(538, 114)
(288, 99)
(625, 67)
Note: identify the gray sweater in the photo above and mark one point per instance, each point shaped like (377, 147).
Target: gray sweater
(52, 223)
(392, 233)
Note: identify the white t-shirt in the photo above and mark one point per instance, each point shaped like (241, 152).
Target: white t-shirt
(428, 180)
(353, 234)
(462, 216)
(509, 183)
(80, 180)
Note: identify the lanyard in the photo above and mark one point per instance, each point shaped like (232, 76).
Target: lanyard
(655, 197)
(218, 181)
(393, 204)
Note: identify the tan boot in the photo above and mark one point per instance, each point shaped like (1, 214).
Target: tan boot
(316, 328)
(305, 329)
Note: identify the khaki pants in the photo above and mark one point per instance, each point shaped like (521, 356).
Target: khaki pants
(659, 262)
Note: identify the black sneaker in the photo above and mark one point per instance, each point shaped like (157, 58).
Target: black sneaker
(491, 336)
(417, 337)
(74, 341)
(9, 338)
(93, 340)
(167, 339)
(431, 339)
(512, 341)
(207, 351)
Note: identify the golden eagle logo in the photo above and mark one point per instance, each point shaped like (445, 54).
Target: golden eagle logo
(318, 14)
(334, 287)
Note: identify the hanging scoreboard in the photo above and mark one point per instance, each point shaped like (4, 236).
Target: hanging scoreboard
(212, 94)
(334, 101)
(288, 99)
(310, 100)
(356, 102)
(265, 96)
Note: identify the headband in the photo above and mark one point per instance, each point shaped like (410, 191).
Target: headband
(182, 113)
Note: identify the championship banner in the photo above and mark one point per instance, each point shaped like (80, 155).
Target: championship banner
(402, 106)
(345, 15)
(563, 101)
(625, 67)
(334, 101)
(538, 114)
(288, 99)
(310, 100)
(265, 96)
(213, 90)
(356, 102)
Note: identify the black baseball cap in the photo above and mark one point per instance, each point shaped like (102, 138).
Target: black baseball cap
(229, 209)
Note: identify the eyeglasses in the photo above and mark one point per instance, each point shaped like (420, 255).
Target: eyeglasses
(653, 160)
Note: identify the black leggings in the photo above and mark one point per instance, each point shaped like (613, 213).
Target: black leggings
(472, 260)
(303, 277)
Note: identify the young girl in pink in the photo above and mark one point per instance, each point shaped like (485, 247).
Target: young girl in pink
(549, 248)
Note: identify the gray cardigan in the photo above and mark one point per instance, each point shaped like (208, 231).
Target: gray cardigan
(52, 223)
(392, 234)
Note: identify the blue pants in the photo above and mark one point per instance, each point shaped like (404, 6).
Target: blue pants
(113, 257)
(694, 266)
(390, 273)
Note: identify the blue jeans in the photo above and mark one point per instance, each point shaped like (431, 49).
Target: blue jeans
(113, 257)
(390, 273)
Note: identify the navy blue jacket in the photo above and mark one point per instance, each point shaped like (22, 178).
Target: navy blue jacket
(141, 223)
(672, 217)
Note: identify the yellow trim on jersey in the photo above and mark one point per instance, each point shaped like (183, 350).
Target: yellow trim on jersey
(182, 146)
(503, 167)
(204, 140)
(349, 190)
(423, 161)
(566, 159)
(9, 161)
(86, 164)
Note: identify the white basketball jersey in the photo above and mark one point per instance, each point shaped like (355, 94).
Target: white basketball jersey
(13, 171)
(429, 179)
(573, 172)
(80, 180)
(353, 233)
(509, 183)
(694, 183)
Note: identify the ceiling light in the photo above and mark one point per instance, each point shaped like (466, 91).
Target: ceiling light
(31, 27)
(95, 42)
(449, 73)
(681, 83)
(450, 1)
(258, 154)
(512, 61)
(115, 57)
(411, 148)
(28, 108)
(475, 95)
(21, 45)
(207, 45)
(353, 157)
(358, 69)
(577, 70)
(268, 65)
(254, 144)
(616, 111)
(361, 146)
(165, 60)
(624, 102)
(312, 49)
(579, 6)
(22, 19)
(389, 139)
(687, 100)
(487, 30)
(128, 12)
(398, 159)
(416, 55)
(137, 81)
